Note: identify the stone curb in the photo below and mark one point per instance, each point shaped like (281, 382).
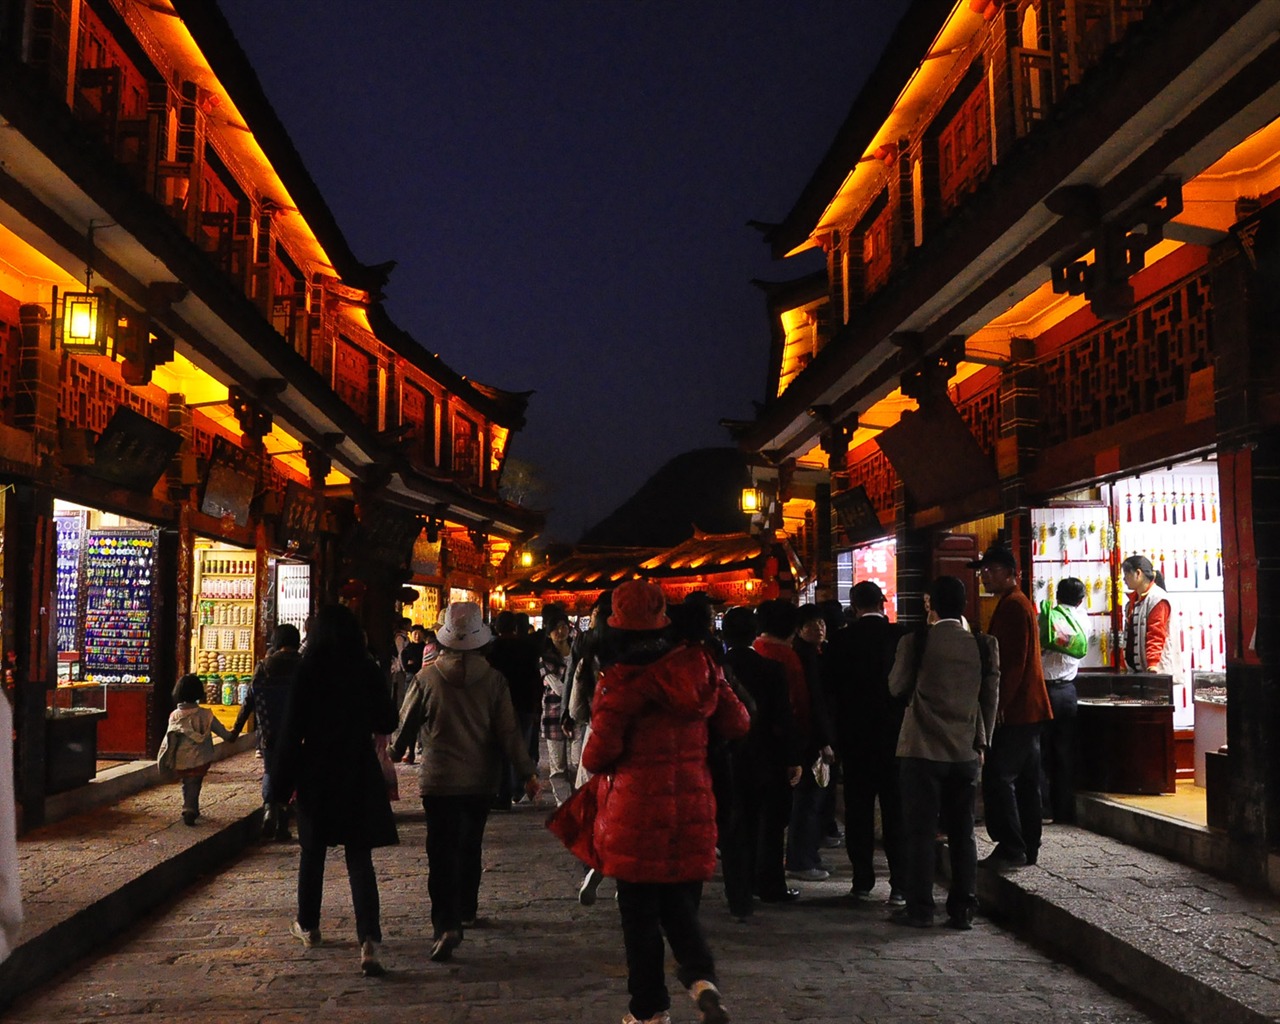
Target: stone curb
(43, 955)
(1133, 962)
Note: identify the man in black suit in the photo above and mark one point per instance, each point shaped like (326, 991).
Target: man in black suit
(762, 768)
(867, 719)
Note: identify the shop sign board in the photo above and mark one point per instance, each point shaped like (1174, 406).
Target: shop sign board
(858, 517)
(230, 483)
(300, 517)
(385, 535)
(425, 560)
(133, 451)
(936, 455)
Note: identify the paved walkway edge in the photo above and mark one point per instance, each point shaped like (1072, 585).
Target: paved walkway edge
(1105, 953)
(45, 955)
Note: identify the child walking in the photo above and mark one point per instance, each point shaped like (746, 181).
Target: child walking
(191, 727)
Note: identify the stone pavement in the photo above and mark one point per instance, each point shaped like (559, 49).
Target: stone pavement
(204, 914)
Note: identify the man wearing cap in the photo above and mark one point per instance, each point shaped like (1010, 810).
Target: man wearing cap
(867, 721)
(1011, 774)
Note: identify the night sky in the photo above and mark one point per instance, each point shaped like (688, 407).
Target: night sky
(565, 187)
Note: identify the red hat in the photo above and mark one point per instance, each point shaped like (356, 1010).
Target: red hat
(638, 605)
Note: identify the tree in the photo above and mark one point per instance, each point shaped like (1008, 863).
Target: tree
(522, 483)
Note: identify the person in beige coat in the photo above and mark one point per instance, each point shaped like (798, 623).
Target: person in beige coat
(460, 709)
(951, 679)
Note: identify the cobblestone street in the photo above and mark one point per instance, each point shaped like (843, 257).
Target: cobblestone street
(222, 953)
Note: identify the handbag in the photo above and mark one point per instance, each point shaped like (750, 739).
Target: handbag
(389, 777)
(821, 772)
(574, 821)
(167, 755)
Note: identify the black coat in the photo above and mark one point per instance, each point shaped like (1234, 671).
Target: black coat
(866, 716)
(326, 755)
(773, 743)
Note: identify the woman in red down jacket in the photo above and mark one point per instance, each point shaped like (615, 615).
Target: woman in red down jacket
(656, 829)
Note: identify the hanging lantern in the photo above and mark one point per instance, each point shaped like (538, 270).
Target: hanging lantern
(85, 322)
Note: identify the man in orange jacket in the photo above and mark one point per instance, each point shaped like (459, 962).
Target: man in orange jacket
(1011, 774)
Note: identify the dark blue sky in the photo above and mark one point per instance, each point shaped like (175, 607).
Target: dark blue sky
(565, 185)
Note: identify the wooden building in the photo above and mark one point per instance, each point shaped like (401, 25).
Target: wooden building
(1048, 316)
(731, 569)
(208, 423)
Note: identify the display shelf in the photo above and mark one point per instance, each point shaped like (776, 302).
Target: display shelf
(69, 527)
(224, 626)
(117, 570)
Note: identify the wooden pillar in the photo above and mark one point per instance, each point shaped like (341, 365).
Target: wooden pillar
(1246, 335)
(30, 636)
(914, 557)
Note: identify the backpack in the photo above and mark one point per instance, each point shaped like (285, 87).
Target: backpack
(1059, 631)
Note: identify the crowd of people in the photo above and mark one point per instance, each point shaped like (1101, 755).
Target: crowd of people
(672, 746)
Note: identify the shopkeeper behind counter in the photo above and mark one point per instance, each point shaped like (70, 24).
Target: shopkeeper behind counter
(1148, 643)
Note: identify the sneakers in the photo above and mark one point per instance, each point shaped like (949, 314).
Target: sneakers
(810, 874)
(863, 895)
(897, 898)
(590, 883)
(444, 946)
(370, 965)
(707, 998)
(657, 1018)
(904, 917)
(307, 936)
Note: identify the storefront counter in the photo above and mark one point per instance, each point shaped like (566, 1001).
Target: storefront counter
(1126, 746)
(71, 747)
(127, 732)
(1211, 732)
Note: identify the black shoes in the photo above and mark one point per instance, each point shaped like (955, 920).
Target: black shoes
(1004, 860)
(444, 946)
(781, 896)
(961, 922)
(707, 998)
(904, 917)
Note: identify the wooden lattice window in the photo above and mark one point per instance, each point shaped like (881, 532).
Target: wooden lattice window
(964, 149)
(352, 376)
(417, 407)
(466, 449)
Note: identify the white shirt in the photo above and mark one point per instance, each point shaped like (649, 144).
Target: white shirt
(1058, 667)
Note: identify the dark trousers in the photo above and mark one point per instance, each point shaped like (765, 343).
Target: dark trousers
(364, 889)
(933, 793)
(775, 812)
(650, 910)
(511, 788)
(1058, 753)
(455, 834)
(191, 786)
(804, 831)
(1011, 791)
(740, 814)
(867, 778)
